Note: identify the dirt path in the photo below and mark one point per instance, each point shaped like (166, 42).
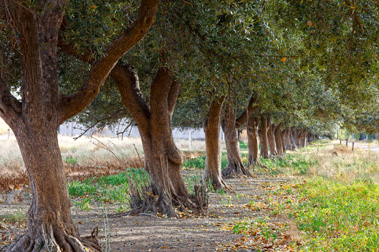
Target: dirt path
(186, 233)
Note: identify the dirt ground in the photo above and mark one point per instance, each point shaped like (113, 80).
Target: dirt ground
(211, 232)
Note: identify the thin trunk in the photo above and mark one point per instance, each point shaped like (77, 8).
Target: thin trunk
(252, 136)
(303, 142)
(263, 137)
(212, 170)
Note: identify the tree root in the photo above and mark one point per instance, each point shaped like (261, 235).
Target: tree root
(235, 171)
(54, 241)
(148, 203)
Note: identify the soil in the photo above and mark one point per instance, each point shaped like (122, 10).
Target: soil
(210, 232)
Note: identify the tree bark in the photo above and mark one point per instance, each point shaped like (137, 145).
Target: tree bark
(35, 119)
(50, 224)
(278, 140)
(271, 138)
(229, 126)
(212, 170)
(162, 157)
(304, 140)
(263, 137)
(252, 136)
(284, 148)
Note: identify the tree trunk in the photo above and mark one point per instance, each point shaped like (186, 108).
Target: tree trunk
(303, 142)
(291, 139)
(252, 136)
(50, 224)
(284, 148)
(263, 137)
(162, 157)
(271, 139)
(212, 170)
(278, 140)
(235, 165)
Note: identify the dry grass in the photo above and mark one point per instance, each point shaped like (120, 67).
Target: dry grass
(340, 162)
(85, 152)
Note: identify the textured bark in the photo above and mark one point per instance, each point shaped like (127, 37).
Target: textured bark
(229, 126)
(252, 136)
(263, 137)
(212, 170)
(284, 148)
(271, 138)
(162, 157)
(43, 108)
(304, 140)
(278, 140)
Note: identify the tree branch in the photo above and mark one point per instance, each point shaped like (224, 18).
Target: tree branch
(128, 84)
(242, 119)
(173, 96)
(212, 122)
(10, 107)
(71, 105)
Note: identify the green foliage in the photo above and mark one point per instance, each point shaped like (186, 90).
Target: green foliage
(106, 189)
(339, 216)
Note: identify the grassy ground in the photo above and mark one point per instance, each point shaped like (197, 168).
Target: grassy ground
(320, 198)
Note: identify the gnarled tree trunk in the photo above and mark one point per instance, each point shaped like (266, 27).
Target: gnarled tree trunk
(50, 224)
(283, 142)
(162, 158)
(35, 119)
(271, 138)
(263, 137)
(278, 140)
(230, 126)
(252, 137)
(212, 170)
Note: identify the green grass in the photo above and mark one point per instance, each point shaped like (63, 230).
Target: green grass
(17, 216)
(199, 162)
(295, 164)
(339, 216)
(106, 189)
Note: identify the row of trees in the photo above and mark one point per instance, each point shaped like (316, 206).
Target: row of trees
(286, 70)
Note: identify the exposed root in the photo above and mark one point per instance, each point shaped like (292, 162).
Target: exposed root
(149, 203)
(54, 241)
(235, 171)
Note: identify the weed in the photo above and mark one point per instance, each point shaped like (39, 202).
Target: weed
(17, 216)
(337, 215)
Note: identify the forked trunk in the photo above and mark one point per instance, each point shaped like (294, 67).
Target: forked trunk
(162, 157)
(235, 165)
(271, 140)
(263, 137)
(212, 172)
(50, 225)
(252, 136)
(278, 140)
